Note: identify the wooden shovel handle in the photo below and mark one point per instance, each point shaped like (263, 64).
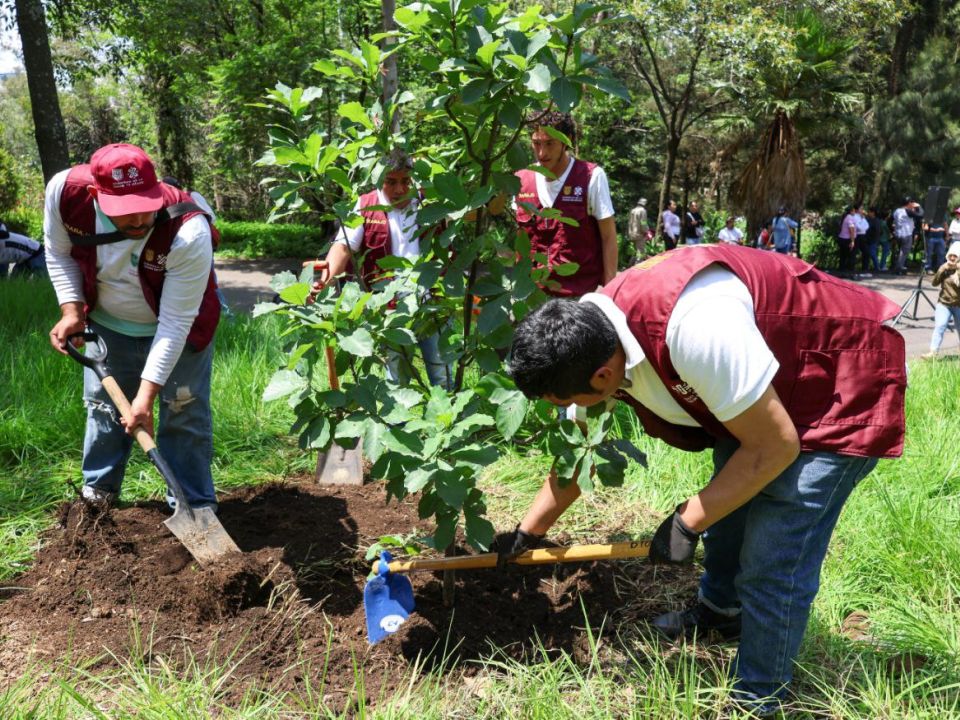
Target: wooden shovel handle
(123, 405)
(540, 556)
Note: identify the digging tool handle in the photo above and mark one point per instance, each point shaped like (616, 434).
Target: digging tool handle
(539, 556)
(332, 369)
(96, 359)
(146, 441)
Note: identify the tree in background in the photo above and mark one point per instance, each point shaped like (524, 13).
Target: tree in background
(47, 120)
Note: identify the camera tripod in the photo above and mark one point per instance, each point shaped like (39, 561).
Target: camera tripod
(914, 298)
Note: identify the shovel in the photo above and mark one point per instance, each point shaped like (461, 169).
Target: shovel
(388, 597)
(338, 465)
(198, 529)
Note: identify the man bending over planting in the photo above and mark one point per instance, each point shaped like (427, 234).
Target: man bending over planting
(792, 379)
(132, 259)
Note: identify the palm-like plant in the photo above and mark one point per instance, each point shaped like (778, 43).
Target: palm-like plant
(809, 77)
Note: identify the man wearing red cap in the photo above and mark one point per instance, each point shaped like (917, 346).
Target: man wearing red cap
(131, 258)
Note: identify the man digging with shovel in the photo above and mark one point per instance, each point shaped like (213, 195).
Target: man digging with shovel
(789, 375)
(130, 258)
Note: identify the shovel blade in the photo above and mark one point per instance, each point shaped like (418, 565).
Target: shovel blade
(340, 466)
(201, 533)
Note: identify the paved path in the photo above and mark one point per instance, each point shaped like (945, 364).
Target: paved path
(247, 282)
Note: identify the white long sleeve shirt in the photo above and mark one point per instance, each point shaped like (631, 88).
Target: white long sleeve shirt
(120, 302)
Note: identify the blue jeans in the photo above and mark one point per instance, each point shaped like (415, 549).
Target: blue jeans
(941, 318)
(399, 369)
(763, 561)
(184, 431)
(936, 253)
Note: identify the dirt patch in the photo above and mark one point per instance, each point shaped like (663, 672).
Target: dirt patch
(114, 585)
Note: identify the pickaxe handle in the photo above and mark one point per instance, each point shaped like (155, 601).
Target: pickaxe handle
(539, 556)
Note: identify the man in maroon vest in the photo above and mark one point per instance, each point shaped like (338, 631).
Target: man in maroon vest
(793, 379)
(579, 190)
(131, 258)
(384, 233)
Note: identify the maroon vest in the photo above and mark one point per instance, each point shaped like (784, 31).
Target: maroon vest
(79, 218)
(563, 243)
(376, 237)
(842, 375)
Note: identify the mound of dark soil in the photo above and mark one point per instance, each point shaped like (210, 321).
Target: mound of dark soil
(292, 603)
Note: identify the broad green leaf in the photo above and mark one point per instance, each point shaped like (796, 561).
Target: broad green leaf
(371, 57)
(410, 19)
(295, 294)
(474, 91)
(373, 439)
(450, 188)
(609, 85)
(517, 61)
(417, 480)
(317, 434)
(510, 115)
(451, 488)
(537, 42)
(486, 52)
(446, 531)
(517, 156)
(438, 409)
(538, 78)
(298, 353)
(333, 70)
(282, 384)
(630, 450)
(479, 530)
(566, 269)
(355, 112)
(584, 476)
(359, 342)
(402, 442)
(565, 93)
(511, 409)
(476, 457)
(400, 336)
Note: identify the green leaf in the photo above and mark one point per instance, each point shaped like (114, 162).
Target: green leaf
(295, 294)
(476, 457)
(510, 115)
(450, 188)
(565, 93)
(583, 476)
(417, 480)
(373, 439)
(630, 450)
(511, 409)
(451, 488)
(410, 19)
(486, 52)
(479, 530)
(371, 57)
(317, 434)
(537, 42)
(355, 112)
(538, 78)
(446, 531)
(282, 384)
(609, 85)
(400, 336)
(474, 91)
(517, 156)
(566, 269)
(359, 342)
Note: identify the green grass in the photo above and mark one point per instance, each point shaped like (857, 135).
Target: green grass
(252, 240)
(895, 557)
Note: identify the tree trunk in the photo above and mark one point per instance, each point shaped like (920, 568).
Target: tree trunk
(47, 121)
(673, 145)
(172, 131)
(390, 80)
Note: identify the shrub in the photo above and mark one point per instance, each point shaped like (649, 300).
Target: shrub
(9, 183)
(258, 240)
(24, 220)
(819, 248)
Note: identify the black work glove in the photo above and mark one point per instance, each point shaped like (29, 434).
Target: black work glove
(509, 545)
(673, 542)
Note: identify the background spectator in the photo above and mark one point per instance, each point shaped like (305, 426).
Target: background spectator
(948, 304)
(729, 234)
(784, 232)
(693, 225)
(671, 226)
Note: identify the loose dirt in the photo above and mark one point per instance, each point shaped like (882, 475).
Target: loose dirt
(111, 586)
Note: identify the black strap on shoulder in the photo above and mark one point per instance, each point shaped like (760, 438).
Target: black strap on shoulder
(164, 215)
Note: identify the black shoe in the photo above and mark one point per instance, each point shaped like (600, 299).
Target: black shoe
(698, 620)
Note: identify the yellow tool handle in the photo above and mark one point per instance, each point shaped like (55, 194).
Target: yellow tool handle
(540, 556)
(123, 405)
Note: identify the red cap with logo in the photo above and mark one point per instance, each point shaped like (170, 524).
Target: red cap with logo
(126, 180)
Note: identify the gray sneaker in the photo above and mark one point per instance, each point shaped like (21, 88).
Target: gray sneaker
(96, 496)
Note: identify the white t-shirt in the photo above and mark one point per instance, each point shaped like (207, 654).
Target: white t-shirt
(671, 224)
(903, 225)
(599, 202)
(714, 345)
(118, 284)
(404, 241)
(953, 232)
(730, 235)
